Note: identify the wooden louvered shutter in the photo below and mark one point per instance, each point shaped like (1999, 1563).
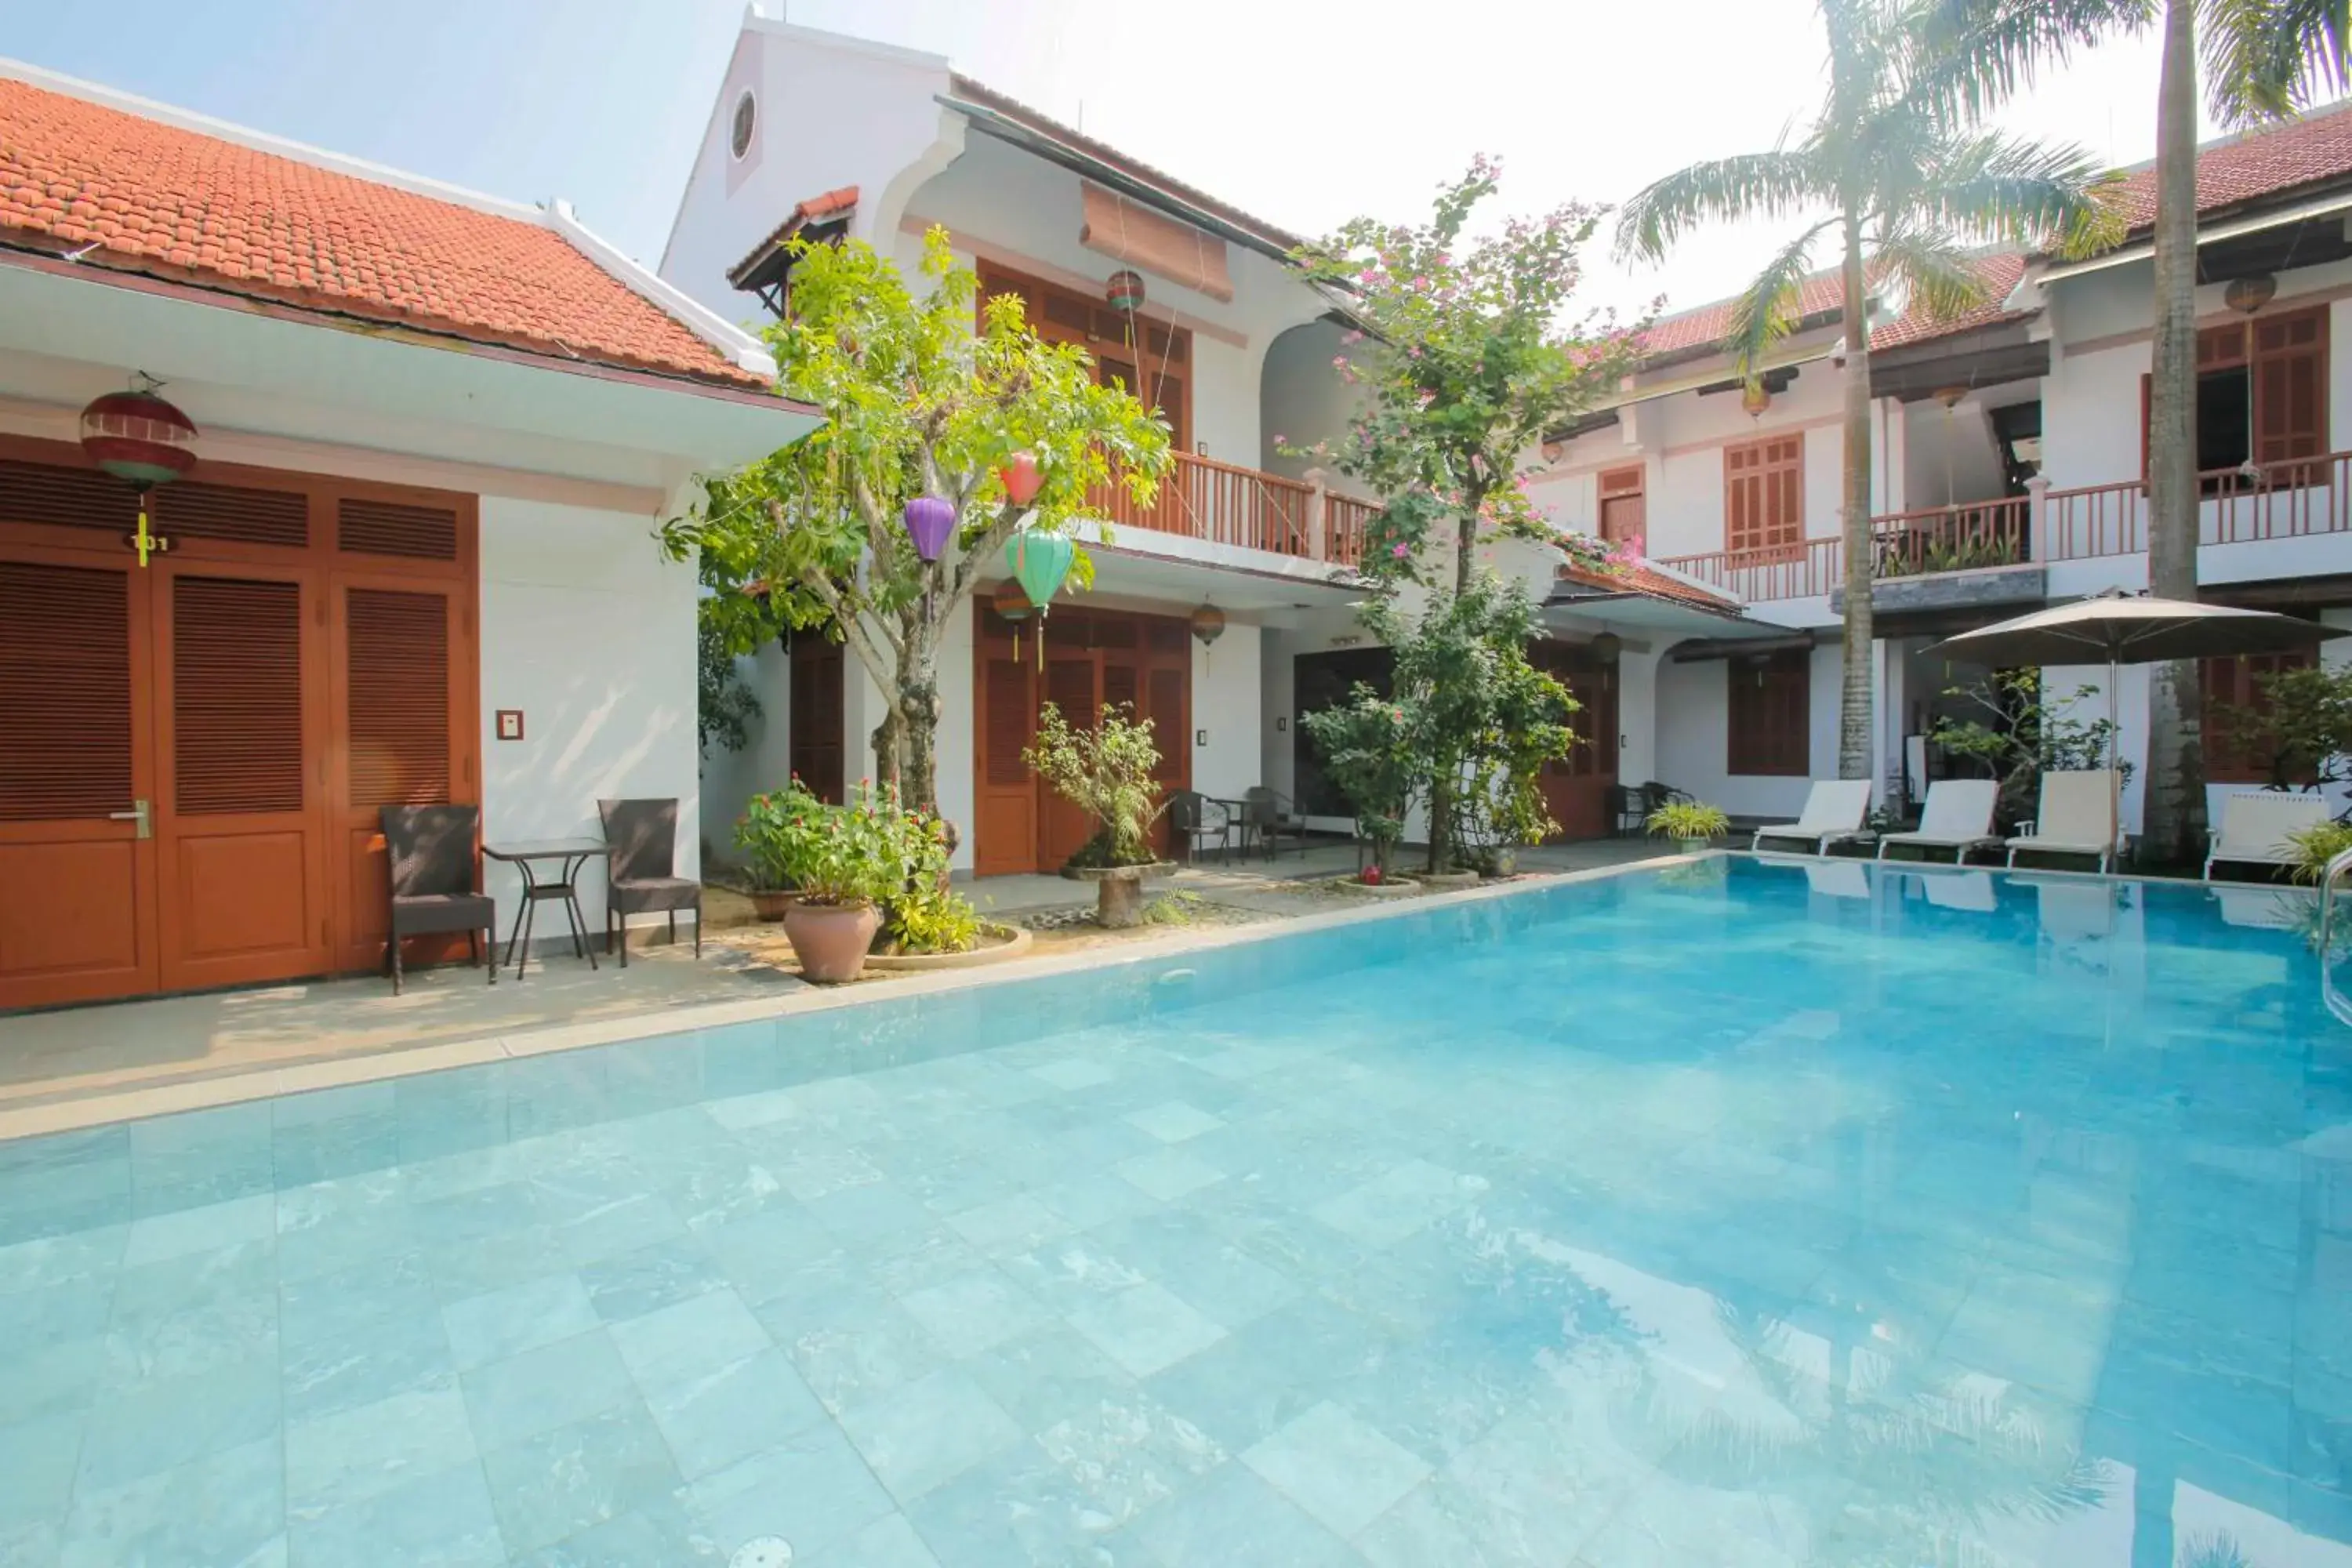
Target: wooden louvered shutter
(2289, 387)
(195, 510)
(1009, 721)
(1164, 706)
(1070, 687)
(236, 696)
(397, 714)
(389, 527)
(64, 692)
(1122, 688)
(54, 495)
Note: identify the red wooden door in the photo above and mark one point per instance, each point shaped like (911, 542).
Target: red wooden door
(1004, 794)
(1074, 684)
(77, 913)
(241, 862)
(1576, 788)
(818, 717)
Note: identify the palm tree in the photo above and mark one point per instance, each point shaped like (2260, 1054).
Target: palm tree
(2265, 60)
(1887, 176)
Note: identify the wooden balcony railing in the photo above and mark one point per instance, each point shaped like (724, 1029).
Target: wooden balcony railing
(1955, 538)
(1221, 503)
(1783, 571)
(2243, 505)
(1345, 521)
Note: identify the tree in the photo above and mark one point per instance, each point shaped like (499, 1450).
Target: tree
(1900, 191)
(915, 403)
(2016, 732)
(2299, 725)
(1465, 362)
(2265, 59)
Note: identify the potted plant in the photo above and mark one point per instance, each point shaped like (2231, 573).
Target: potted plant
(760, 834)
(1368, 754)
(846, 861)
(1110, 773)
(1691, 824)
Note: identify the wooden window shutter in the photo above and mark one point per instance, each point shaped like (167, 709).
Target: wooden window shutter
(1070, 687)
(64, 692)
(1164, 706)
(236, 696)
(1764, 505)
(1009, 716)
(1122, 690)
(2289, 387)
(1769, 713)
(57, 496)
(398, 683)
(388, 528)
(232, 511)
(2217, 348)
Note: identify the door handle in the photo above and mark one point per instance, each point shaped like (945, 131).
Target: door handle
(139, 813)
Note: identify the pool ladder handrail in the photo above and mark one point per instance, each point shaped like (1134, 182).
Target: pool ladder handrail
(2337, 1002)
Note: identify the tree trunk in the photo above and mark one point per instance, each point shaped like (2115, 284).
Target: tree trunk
(2173, 799)
(886, 749)
(1466, 540)
(1854, 698)
(919, 702)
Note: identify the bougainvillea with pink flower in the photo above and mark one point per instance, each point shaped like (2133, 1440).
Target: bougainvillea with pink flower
(1468, 352)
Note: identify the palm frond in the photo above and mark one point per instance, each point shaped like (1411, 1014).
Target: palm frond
(1996, 186)
(1937, 271)
(1767, 311)
(2266, 59)
(1754, 184)
(1969, 55)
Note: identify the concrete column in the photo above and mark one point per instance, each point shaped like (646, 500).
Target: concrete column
(2037, 516)
(1319, 533)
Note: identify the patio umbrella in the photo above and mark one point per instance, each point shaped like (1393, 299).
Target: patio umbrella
(2131, 629)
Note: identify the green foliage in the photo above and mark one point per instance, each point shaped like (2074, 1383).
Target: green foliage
(1174, 909)
(724, 704)
(2016, 736)
(1468, 359)
(1109, 772)
(1688, 819)
(913, 402)
(1369, 752)
(1950, 555)
(871, 851)
(2316, 846)
(929, 918)
(2299, 724)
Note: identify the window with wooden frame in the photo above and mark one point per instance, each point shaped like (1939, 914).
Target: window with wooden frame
(1623, 509)
(1152, 359)
(1770, 714)
(2262, 394)
(1764, 496)
(2227, 684)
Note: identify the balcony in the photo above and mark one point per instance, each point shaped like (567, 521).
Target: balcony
(1936, 540)
(2244, 505)
(1223, 503)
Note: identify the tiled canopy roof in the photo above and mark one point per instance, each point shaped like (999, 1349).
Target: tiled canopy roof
(1819, 301)
(1643, 580)
(2269, 162)
(129, 193)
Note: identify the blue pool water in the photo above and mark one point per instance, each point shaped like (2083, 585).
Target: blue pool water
(1737, 1215)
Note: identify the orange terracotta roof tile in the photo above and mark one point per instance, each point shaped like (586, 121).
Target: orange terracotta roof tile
(1655, 585)
(1819, 302)
(144, 196)
(2269, 162)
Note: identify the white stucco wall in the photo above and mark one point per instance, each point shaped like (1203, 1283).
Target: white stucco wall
(729, 779)
(591, 633)
(1305, 402)
(1227, 701)
(1695, 736)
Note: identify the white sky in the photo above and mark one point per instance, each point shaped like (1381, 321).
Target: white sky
(1306, 114)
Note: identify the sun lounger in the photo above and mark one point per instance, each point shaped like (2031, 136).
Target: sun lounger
(2077, 818)
(1834, 812)
(2256, 824)
(1969, 891)
(1841, 880)
(1958, 817)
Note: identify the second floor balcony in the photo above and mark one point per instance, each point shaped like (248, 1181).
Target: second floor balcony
(1224, 503)
(2247, 504)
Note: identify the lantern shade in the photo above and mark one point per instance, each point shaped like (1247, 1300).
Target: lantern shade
(1208, 624)
(138, 437)
(1011, 604)
(928, 522)
(1755, 398)
(1606, 645)
(1040, 562)
(1020, 477)
(1124, 290)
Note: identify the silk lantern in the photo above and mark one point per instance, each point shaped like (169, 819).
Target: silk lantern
(928, 522)
(1039, 562)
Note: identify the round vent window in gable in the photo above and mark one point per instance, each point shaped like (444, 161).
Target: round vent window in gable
(739, 136)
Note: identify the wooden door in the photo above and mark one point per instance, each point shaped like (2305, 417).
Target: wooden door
(1004, 794)
(1576, 788)
(1624, 512)
(1074, 684)
(241, 859)
(402, 736)
(77, 915)
(818, 716)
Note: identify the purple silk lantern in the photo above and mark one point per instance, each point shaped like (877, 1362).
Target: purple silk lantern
(929, 520)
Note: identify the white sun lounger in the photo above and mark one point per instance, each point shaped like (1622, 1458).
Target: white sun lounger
(2077, 818)
(1967, 890)
(1838, 880)
(1958, 817)
(2255, 825)
(1833, 812)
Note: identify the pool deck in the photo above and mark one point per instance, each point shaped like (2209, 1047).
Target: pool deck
(84, 1066)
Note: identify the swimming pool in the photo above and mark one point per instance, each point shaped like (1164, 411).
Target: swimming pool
(1737, 1214)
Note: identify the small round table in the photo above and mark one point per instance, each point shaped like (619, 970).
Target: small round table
(573, 855)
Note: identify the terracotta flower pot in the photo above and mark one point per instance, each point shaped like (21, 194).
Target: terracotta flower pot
(770, 904)
(831, 940)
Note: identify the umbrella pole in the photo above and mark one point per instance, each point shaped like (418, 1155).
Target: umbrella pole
(2115, 774)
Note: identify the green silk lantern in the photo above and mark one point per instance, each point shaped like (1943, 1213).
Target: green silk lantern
(1040, 562)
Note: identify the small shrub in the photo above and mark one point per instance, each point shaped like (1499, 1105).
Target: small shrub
(2316, 847)
(1110, 773)
(1688, 819)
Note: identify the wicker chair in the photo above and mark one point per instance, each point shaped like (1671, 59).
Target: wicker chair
(640, 872)
(431, 879)
(1194, 820)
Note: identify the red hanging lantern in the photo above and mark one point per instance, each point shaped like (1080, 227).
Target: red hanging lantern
(1124, 290)
(1020, 477)
(1208, 624)
(144, 441)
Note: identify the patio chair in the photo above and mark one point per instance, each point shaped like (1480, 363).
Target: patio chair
(2076, 816)
(1195, 820)
(430, 879)
(1268, 814)
(1833, 814)
(2254, 828)
(1628, 810)
(1958, 817)
(641, 873)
